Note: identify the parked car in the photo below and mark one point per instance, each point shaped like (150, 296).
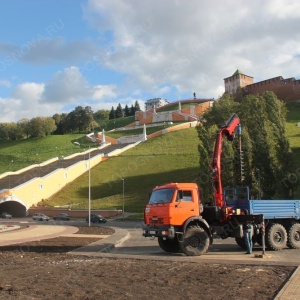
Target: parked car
(40, 217)
(96, 219)
(63, 217)
(5, 215)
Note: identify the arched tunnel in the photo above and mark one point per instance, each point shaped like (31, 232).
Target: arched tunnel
(15, 208)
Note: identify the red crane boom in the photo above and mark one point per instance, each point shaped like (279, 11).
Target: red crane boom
(228, 130)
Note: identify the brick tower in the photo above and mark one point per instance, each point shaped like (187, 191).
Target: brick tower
(237, 80)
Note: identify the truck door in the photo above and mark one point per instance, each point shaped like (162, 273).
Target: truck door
(185, 207)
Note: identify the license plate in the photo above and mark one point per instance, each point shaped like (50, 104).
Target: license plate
(152, 232)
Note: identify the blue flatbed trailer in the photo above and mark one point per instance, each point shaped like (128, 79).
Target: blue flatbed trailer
(281, 218)
(275, 209)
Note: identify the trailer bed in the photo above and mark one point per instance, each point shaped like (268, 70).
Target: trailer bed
(275, 209)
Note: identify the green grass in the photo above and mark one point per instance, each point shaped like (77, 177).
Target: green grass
(176, 106)
(149, 130)
(19, 154)
(171, 157)
(293, 134)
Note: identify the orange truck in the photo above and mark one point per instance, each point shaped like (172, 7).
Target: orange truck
(173, 215)
(176, 216)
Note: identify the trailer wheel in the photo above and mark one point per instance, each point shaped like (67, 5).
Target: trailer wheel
(276, 237)
(195, 241)
(169, 245)
(294, 236)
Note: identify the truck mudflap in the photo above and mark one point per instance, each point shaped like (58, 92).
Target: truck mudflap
(161, 231)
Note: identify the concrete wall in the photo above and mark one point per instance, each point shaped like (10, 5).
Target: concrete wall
(40, 188)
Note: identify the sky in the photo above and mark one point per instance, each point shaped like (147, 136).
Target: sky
(56, 55)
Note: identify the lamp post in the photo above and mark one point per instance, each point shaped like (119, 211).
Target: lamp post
(123, 199)
(78, 144)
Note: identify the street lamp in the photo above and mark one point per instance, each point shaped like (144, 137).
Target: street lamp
(78, 144)
(123, 199)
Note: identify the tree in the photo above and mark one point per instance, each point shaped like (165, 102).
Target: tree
(112, 114)
(24, 125)
(132, 111)
(126, 111)
(101, 115)
(267, 155)
(136, 106)
(119, 111)
(41, 126)
(60, 122)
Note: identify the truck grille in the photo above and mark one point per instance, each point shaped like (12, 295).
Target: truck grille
(155, 221)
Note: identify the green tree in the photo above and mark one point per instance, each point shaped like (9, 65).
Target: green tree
(126, 111)
(132, 111)
(112, 114)
(101, 115)
(24, 125)
(136, 106)
(119, 111)
(266, 152)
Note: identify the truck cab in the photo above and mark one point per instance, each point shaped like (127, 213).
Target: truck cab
(172, 209)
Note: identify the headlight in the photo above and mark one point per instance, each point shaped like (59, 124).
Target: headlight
(147, 209)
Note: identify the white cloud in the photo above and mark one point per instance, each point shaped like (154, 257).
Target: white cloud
(102, 91)
(155, 48)
(193, 45)
(66, 86)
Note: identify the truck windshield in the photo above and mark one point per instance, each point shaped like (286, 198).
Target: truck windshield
(161, 196)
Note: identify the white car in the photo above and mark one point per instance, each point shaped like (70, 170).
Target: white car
(40, 217)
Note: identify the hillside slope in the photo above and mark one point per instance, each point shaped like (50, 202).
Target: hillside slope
(171, 157)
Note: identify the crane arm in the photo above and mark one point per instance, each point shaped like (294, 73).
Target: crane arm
(228, 130)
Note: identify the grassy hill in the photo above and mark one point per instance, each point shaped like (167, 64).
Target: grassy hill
(171, 157)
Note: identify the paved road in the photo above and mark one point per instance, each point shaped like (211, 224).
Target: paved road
(221, 251)
(134, 245)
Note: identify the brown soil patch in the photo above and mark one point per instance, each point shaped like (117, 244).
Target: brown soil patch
(43, 270)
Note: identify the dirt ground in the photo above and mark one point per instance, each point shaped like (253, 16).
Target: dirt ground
(44, 270)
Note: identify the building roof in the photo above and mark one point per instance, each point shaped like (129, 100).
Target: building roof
(237, 72)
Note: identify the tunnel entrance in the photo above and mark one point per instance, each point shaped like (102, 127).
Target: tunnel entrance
(16, 208)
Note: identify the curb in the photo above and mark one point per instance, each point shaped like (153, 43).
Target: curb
(105, 245)
(290, 290)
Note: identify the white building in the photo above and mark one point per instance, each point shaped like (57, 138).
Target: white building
(155, 102)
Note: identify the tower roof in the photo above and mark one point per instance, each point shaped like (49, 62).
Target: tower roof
(237, 72)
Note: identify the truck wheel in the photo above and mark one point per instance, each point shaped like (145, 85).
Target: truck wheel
(169, 245)
(195, 241)
(294, 236)
(276, 237)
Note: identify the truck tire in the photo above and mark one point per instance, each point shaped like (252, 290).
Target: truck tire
(294, 236)
(276, 237)
(168, 245)
(195, 241)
